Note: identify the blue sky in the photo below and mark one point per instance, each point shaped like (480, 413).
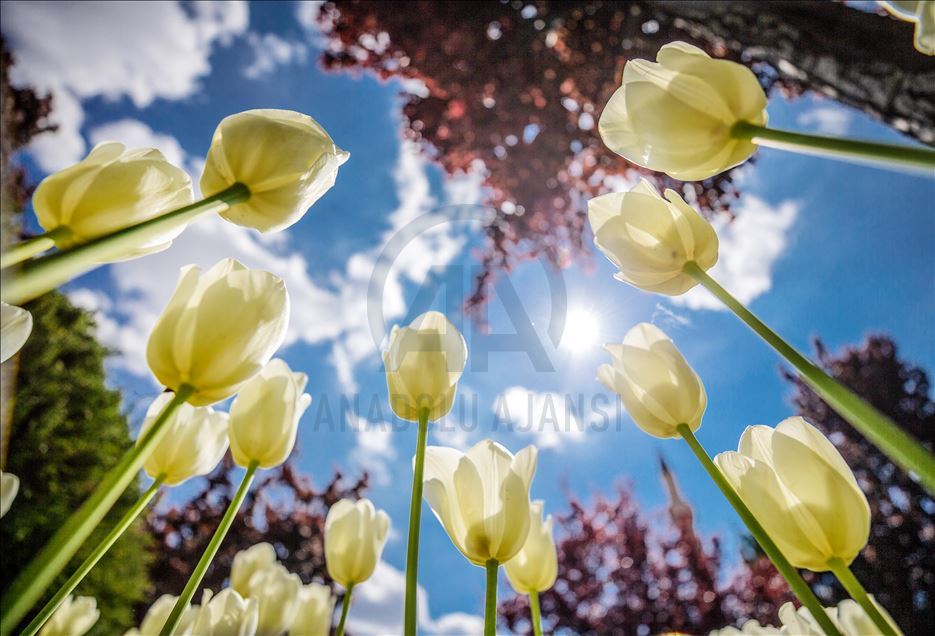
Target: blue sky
(818, 248)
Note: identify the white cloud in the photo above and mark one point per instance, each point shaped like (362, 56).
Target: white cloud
(379, 602)
(549, 417)
(749, 247)
(828, 120)
(144, 51)
(373, 450)
(271, 52)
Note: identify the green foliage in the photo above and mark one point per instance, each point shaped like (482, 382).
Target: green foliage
(66, 432)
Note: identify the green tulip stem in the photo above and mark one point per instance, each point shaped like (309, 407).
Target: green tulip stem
(125, 522)
(45, 566)
(536, 616)
(198, 574)
(490, 607)
(796, 583)
(26, 249)
(415, 519)
(848, 149)
(859, 594)
(42, 274)
(345, 608)
(883, 432)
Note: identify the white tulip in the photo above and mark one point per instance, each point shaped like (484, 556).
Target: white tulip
(355, 533)
(15, 327)
(316, 607)
(194, 442)
(248, 562)
(9, 487)
(264, 417)
(74, 617)
(481, 498)
(226, 614)
(277, 590)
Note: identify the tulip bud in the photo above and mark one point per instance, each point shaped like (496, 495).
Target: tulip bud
(657, 386)
(800, 489)
(535, 566)
(650, 239)
(226, 614)
(110, 189)
(264, 417)
(355, 533)
(74, 617)
(675, 116)
(285, 158)
(157, 615)
(218, 330)
(247, 563)
(9, 486)
(277, 591)
(481, 498)
(15, 327)
(316, 606)
(424, 362)
(195, 441)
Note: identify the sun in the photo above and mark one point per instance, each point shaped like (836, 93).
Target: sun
(581, 331)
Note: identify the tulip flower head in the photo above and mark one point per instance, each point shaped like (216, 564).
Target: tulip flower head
(264, 417)
(74, 617)
(355, 533)
(657, 386)
(247, 563)
(15, 327)
(227, 614)
(848, 616)
(801, 491)
(218, 330)
(277, 591)
(676, 115)
(194, 443)
(481, 498)
(424, 362)
(285, 158)
(316, 606)
(650, 239)
(157, 615)
(9, 486)
(535, 566)
(922, 14)
(110, 189)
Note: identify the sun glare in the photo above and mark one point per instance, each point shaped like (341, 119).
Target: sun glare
(581, 331)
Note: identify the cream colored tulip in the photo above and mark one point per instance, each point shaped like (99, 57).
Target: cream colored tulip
(285, 158)
(247, 563)
(227, 614)
(9, 486)
(657, 386)
(277, 590)
(264, 417)
(355, 533)
(481, 498)
(650, 239)
(110, 189)
(423, 363)
(15, 327)
(157, 615)
(801, 491)
(316, 607)
(922, 14)
(849, 617)
(74, 617)
(675, 115)
(535, 566)
(194, 442)
(218, 330)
